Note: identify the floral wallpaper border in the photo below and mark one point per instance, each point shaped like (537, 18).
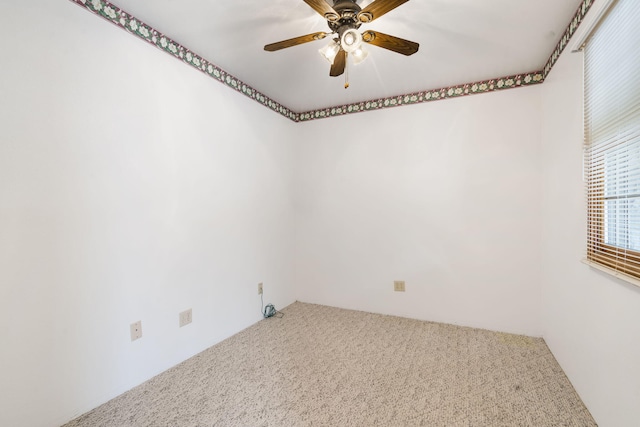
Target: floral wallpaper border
(131, 24)
(568, 33)
(484, 86)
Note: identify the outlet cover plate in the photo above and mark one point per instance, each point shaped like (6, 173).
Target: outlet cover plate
(136, 330)
(186, 317)
(398, 285)
(260, 288)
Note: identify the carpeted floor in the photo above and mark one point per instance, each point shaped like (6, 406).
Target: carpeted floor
(323, 366)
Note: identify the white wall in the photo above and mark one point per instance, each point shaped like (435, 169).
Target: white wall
(444, 196)
(131, 188)
(591, 320)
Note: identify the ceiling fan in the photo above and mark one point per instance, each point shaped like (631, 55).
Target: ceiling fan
(344, 19)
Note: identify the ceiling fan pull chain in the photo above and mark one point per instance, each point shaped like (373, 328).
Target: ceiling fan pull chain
(346, 71)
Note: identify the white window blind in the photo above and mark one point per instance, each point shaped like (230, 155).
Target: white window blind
(612, 137)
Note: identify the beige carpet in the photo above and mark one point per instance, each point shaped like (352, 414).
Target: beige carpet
(323, 366)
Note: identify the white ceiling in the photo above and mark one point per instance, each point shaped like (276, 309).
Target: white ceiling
(461, 41)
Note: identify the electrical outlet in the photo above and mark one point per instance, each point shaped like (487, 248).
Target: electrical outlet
(260, 288)
(398, 285)
(136, 330)
(185, 317)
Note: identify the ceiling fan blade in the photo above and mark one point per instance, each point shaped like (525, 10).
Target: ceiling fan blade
(378, 8)
(339, 63)
(294, 41)
(386, 41)
(324, 9)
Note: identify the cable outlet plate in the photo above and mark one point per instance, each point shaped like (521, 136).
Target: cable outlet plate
(398, 285)
(260, 288)
(185, 317)
(136, 330)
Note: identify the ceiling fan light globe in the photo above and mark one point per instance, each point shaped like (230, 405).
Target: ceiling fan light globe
(330, 51)
(359, 55)
(351, 40)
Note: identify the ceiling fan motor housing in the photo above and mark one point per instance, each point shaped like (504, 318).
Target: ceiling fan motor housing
(348, 16)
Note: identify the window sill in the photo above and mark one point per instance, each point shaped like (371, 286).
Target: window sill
(622, 276)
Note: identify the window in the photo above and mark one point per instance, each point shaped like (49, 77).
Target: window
(612, 138)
